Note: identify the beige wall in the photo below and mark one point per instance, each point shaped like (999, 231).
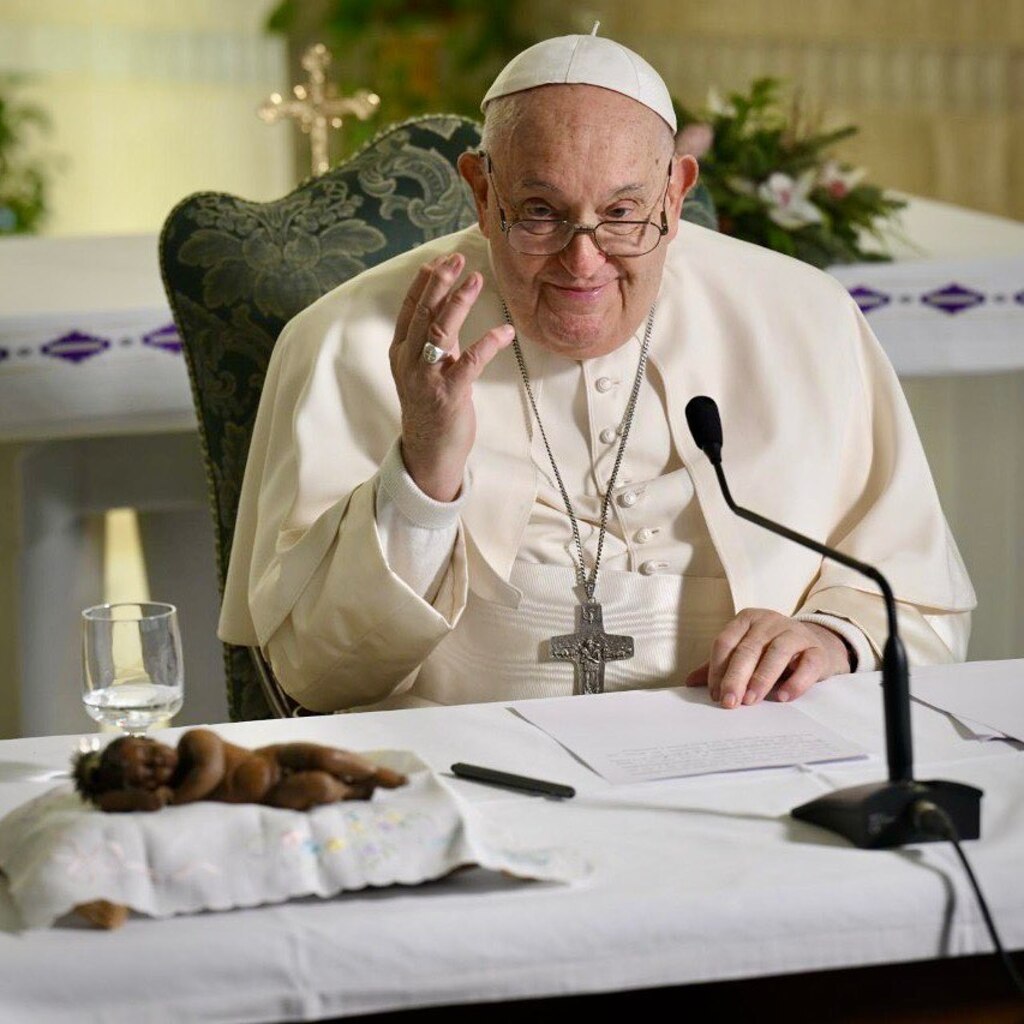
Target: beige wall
(150, 101)
(142, 92)
(936, 86)
(10, 540)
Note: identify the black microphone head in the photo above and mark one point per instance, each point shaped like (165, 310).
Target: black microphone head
(706, 426)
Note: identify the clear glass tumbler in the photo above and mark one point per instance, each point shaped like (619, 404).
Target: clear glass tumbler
(132, 673)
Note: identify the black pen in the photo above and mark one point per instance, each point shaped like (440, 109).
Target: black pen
(520, 782)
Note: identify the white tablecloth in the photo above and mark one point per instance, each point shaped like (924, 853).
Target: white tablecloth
(694, 879)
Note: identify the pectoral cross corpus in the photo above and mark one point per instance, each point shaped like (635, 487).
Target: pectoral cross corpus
(589, 648)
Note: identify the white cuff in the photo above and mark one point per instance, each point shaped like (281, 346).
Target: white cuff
(863, 653)
(417, 534)
(419, 508)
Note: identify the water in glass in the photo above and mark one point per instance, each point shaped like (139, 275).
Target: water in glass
(132, 667)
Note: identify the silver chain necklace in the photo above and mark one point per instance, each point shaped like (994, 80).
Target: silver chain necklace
(589, 647)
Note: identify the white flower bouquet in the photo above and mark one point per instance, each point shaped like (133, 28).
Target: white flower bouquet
(775, 182)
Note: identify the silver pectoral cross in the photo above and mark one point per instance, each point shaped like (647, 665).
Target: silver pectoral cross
(589, 648)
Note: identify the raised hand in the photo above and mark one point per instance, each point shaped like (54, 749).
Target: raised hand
(438, 418)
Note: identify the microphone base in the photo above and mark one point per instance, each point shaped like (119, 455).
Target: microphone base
(880, 815)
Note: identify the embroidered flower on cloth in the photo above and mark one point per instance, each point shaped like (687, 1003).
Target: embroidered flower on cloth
(59, 852)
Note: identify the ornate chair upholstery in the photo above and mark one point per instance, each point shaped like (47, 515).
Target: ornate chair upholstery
(236, 271)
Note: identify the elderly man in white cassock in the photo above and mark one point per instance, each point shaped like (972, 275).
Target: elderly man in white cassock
(471, 479)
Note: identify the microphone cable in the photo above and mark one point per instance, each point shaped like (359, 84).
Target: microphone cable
(931, 818)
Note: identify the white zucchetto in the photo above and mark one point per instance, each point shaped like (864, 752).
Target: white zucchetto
(585, 60)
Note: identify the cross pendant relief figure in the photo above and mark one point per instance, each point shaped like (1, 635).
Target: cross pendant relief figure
(589, 648)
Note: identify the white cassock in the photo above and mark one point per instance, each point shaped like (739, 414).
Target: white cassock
(334, 545)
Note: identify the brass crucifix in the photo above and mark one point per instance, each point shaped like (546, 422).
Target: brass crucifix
(317, 107)
(589, 648)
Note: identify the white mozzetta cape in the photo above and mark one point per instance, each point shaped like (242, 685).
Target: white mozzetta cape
(817, 436)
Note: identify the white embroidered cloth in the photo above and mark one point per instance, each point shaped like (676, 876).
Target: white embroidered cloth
(58, 851)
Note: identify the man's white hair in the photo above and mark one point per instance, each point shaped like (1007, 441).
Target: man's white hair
(500, 118)
(503, 115)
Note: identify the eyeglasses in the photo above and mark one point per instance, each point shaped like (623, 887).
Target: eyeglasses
(613, 237)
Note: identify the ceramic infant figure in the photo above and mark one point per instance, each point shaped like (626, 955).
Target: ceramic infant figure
(141, 774)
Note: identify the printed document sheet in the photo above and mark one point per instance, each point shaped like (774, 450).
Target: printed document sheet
(642, 735)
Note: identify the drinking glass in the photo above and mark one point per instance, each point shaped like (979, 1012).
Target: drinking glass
(132, 674)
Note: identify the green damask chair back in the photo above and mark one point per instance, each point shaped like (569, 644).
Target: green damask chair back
(236, 272)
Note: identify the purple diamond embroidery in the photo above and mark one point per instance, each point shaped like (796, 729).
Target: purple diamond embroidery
(868, 299)
(952, 299)
(165, 338)
(3, 354)
(1019, 297)
(75, 347)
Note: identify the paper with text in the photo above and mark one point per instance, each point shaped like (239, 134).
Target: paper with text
(642, 735)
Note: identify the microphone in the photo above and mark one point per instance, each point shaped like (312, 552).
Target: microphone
(876, 815)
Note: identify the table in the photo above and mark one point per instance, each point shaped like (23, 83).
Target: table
(695, 880)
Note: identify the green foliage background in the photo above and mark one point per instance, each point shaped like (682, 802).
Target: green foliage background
(757, 138)
(24, 178)
(419, 56)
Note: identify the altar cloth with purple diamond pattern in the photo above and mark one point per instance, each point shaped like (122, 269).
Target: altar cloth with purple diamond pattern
(87, 343)
(88, 346)
(948, 317)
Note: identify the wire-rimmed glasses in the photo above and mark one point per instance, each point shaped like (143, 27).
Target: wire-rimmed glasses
(548, 237)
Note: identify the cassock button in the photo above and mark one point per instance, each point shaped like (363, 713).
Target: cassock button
(604, 384)
(652, 568)
(643, 535)
(608, 435)
(629, 499)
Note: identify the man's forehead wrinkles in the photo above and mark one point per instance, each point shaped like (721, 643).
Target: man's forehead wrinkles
(633, 188)
(539, 183)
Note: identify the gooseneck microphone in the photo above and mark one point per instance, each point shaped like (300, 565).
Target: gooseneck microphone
(877, 815)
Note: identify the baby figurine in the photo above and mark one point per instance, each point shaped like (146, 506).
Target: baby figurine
(139, 774)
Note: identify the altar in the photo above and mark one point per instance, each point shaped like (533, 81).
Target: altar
(95, 413)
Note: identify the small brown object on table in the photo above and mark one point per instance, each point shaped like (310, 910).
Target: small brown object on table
(103, 913)
(141, 774)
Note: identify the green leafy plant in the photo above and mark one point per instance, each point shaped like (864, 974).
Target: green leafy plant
(776, 182)
(24, 179)
(419, 56)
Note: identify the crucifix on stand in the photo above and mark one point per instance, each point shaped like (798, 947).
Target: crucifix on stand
(317, 107)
